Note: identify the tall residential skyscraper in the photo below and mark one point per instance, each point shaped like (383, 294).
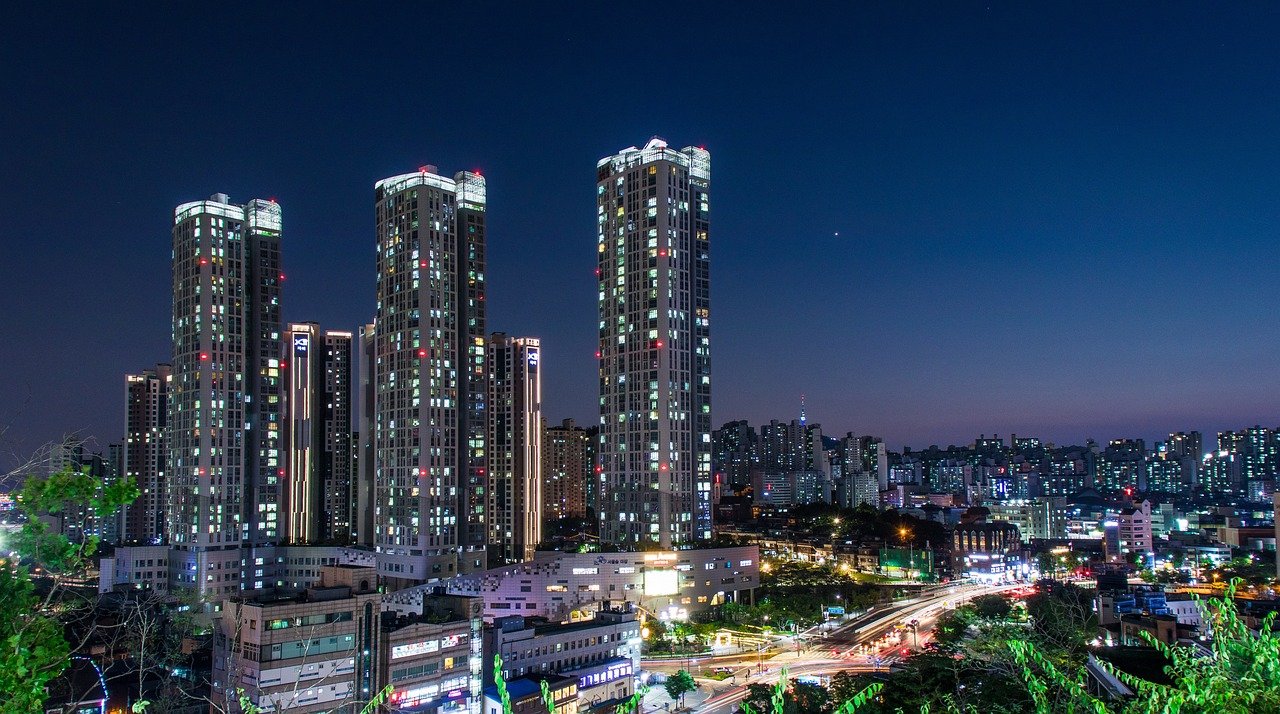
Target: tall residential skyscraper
(317, 483)
(363, 491)
(566, 470)
(429, 426)
(225, 456)
(653, 247)
(143, 458)
(514, 448)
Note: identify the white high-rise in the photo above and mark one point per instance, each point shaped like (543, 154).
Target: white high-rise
(653, 244)
(225, 394)
(428, 375)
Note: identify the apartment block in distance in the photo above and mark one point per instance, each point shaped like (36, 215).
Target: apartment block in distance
(567, 470)
(145, 454)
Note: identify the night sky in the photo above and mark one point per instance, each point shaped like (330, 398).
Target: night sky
(935, 221)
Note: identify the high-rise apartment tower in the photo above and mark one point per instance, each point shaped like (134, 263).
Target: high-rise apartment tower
(653, 246)
(428, 372)
(225, 397)
(567, 470)
(317, 483)
(514, 448)
(144, 455)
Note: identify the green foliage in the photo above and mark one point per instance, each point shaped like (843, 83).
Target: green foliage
(632, 703)
(992, 607)
(548, 700)
(799, 600)
(35, 651)
(800, 698)
(378, 700)
(501, 683)
(679, 684)
(1240, 674)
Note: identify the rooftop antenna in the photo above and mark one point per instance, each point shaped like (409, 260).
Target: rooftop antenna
(801, 410)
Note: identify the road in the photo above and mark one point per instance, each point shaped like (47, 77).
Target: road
(862, 644)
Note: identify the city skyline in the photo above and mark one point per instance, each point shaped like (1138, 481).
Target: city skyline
(1101, 314)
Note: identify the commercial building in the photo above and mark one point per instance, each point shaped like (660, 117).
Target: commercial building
(226, 393)
(309, 652)
(602, 654)
(571, 586)
(653, 247)
(434, 659)
(429, 377)
(145, 454)
(514, 453)
(525, 695)
(317, 484)
(568, 463)
(987, 551)
(1133, 529)
(147, 567)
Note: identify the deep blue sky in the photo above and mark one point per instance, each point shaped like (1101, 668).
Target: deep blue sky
(1055, 220)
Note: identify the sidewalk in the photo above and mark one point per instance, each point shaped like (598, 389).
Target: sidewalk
(657, 701)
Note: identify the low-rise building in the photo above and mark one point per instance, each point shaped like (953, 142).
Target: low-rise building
(987, 551)
(525, 694)
(434, 660)
(313, 651)
(571, 586)
(602, 654)
(151, 567)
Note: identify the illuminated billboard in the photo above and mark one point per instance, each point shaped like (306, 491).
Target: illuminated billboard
(661, 582)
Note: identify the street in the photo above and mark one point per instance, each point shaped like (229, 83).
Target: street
(863, 643)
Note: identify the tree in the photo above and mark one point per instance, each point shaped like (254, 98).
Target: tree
(788, 697)
(679, 684)
(810, 697)
(33, 647)
(992, 607)
(1239, 675)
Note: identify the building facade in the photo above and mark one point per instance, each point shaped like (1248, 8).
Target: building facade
(434, 659)
(571, 586)
(429, 377)
(567, 469)
(145, 454)
(602, 653)
(226, 393)
(514, 445)
(310, 652)
(318, 475)
(653, 248)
